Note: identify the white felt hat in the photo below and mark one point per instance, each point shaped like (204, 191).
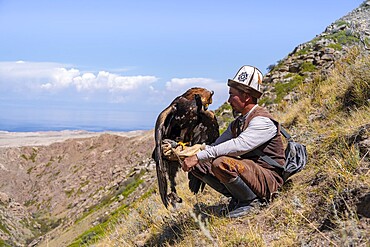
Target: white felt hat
(249, 80)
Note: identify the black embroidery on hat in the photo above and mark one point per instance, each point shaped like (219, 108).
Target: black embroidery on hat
(243, 76)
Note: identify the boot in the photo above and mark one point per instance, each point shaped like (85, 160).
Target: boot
(243, 198)
(216, 184)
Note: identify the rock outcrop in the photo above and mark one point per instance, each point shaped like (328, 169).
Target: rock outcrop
(317, 56)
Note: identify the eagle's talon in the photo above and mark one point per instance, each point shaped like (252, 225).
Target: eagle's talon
(174, 199)
(183, 144)
(172, 143)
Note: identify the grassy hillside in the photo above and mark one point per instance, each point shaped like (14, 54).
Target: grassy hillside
(326, 204)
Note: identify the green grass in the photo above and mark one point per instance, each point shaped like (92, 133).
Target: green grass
(95, 233)
(277, 66)
(47, 224)
(282, 89)
(343, 38)
(32, 156)
(29, 203)
(341, 22)
(367, 41)
(224, 116)
(307, 67)
(4, 244)
(29, 170)
(69, 193)
(303, 51)
(131, 187)
(91, 235)
(265, 101)
(147, 194)
(336, 46)
(3, 228)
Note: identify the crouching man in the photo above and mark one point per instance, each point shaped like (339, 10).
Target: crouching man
(229, 165)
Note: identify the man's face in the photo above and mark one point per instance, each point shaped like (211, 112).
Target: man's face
(237, 99)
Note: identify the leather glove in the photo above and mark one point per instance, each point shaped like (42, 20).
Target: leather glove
(185, 151)
(174, 151)
(167, 147)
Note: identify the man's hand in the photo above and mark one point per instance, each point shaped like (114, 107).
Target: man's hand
(189, 163)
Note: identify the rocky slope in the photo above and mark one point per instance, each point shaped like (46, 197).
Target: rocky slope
(43, 187)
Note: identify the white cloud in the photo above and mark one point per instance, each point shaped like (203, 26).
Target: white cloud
(62, 77)
(180, 85)
(53, 76)
(65, 82)
(84, 81)
(123, 83)
(111, 82)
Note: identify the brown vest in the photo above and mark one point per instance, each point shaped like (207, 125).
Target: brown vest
(273, 148)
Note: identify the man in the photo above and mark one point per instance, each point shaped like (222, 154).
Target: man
(229, 165)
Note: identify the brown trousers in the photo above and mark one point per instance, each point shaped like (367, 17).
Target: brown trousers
(262, 181)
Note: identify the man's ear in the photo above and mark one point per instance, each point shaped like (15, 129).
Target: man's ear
(247, 97)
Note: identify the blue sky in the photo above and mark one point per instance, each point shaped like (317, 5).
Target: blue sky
(114, 65)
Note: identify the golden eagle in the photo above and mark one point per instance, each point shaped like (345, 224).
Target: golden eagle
(185, 120)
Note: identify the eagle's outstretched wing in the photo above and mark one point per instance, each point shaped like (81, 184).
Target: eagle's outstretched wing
(160, 130)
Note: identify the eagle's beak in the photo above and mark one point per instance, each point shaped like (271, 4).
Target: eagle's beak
(206, 107)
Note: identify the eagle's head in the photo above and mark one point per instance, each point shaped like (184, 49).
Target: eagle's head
(204, 94)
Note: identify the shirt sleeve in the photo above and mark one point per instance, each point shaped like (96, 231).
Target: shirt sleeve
(259, 131)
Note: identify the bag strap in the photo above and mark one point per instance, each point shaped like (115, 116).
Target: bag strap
(267, 158)
(285, 133)
(282, 130)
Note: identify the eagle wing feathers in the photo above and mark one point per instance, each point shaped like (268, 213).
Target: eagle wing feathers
(161, 129)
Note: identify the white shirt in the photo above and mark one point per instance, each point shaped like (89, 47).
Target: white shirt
(259, 131)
